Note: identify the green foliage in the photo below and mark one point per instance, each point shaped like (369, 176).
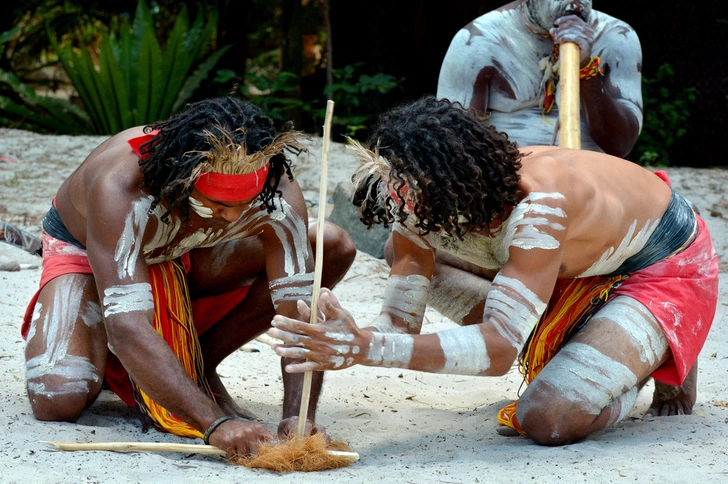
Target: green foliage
(135, 80)
(21, 107)
(274, 95)
(358, 97)
(39, 113)
(666, 116)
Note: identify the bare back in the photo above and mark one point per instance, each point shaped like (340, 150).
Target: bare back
(606, 200)
(112, 162)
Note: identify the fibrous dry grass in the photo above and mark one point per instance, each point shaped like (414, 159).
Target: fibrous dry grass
(302, 454)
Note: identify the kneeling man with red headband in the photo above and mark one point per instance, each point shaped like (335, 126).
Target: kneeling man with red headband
(168, 248)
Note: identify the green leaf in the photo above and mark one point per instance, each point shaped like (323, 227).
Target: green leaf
(193, 81)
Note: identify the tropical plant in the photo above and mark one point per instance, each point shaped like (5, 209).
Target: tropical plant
(359, 97)
(22, 107)
(272, 94)
(666, 116)
(135, 81)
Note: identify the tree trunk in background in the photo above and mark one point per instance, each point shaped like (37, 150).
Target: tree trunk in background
(292, 50)
(233, 28)
(329, 49)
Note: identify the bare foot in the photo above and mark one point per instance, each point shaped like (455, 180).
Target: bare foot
(672, 400)
(506, 431)
(226, 401)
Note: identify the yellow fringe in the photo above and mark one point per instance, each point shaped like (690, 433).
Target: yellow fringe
(173, 321)
(576, 303)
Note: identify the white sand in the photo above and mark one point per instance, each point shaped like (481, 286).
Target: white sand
(407, 426)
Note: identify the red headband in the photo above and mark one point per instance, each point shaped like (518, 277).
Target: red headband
(232, 188)
(217, 186)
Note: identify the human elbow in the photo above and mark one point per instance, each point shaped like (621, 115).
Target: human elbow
(119, 332)
(502, 355)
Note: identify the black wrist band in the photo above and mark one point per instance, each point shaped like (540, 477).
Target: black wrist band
(214, 425)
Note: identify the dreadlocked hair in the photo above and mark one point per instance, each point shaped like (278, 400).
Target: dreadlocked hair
(190, 138)
(458, 170)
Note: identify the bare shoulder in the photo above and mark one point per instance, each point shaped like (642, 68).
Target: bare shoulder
(109, 176)
(605, 23)
(113, 163)
(587, 177)
(614, 35)
(495, 19)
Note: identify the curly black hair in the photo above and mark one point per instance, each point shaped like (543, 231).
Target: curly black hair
(169, 158)
(463, 170)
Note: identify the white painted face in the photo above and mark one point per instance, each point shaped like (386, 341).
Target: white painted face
(408, 191)
(199, 208)
(543, 13)
(216, 212)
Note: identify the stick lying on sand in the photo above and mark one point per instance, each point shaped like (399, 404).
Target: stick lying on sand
(165, 447)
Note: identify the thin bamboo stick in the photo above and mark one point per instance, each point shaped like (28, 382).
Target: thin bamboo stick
(307, 377)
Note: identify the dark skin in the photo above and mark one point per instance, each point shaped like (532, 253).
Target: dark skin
(94, 204)
(594, 213)
(667, 400)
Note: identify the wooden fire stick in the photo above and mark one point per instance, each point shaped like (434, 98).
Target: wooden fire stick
(569, 117)
(307, 376)
(165, 447)
(306, 391)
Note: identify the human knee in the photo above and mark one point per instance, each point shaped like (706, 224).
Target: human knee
(56, 403)
(548, 421)
(339, 248)
(60, 391)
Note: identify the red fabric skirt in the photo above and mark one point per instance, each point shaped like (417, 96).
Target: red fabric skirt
(681, 292)
(60, 258)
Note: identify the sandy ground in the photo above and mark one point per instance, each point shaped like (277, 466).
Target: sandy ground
(407, 426)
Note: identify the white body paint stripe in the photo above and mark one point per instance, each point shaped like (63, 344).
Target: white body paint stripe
(524, 228)
(612, 258)
(71, 367)
(406, 297)
(199, 208)
(130, 243)
(391, 350)
(513, 309)
(625, 403)
(291, 288)
(450, 300)
(66, 388)
(639, 324)
(128, 298)
(383, 324)
(587, 377)
(464, 350)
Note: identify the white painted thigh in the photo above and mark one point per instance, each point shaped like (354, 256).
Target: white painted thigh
(626, 328)
(616, 351)
(62, 354)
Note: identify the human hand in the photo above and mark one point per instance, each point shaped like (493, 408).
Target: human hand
(571, 28)
(335, 344)
(288, 427)
(240, 438)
